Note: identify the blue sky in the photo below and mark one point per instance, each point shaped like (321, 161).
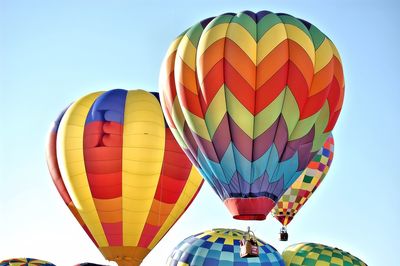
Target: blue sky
(52, 52)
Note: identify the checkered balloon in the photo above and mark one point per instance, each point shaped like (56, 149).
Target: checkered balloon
(304, 187)
(221, 247)
(318, 254)
(25, 262)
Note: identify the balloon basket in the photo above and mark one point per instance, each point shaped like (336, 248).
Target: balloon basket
(283, 235)
(249, 245)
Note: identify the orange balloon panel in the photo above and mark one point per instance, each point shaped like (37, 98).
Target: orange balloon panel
(120, 171)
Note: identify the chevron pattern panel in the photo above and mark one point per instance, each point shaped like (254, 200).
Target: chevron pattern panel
(251, 98)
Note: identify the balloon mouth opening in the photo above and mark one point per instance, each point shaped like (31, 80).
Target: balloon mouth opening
(284, 219)
(257, 217)
(249, 208)
(127, 261)
(125, 255)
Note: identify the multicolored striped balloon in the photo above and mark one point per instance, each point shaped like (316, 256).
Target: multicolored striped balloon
(251, 98)
(221, 247)
(120, 171)
(25, 262)
(311, 254)
(301, 190)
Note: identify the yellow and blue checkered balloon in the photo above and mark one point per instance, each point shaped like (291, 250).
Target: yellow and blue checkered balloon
(221, 247)
(25, 262)
(311, 254)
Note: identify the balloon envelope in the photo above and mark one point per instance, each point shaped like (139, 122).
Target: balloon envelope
(304, 187)
(25, 262)
(318, 254)
(251, 97)
(221, 247)
(120, 171)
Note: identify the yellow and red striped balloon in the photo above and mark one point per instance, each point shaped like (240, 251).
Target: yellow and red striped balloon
(251, 98)
(120, 171)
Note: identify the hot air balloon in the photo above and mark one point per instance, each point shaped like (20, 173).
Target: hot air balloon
(251, 98)
(317, 254)
(120, 171)
(301, 190)
(25, 262)
(221, 247)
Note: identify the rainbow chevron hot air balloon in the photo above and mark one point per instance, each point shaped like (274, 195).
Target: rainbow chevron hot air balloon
(120, 171)
(304, 187)
(251, 98)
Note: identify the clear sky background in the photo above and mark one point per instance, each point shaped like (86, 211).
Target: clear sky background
(52, 52)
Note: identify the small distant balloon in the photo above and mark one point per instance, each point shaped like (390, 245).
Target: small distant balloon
(304, 187)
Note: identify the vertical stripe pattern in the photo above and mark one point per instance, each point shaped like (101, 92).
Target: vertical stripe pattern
(121, 172)
(52, 163)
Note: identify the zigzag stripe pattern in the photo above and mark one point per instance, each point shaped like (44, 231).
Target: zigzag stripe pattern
(304, 187)
(251, 98)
